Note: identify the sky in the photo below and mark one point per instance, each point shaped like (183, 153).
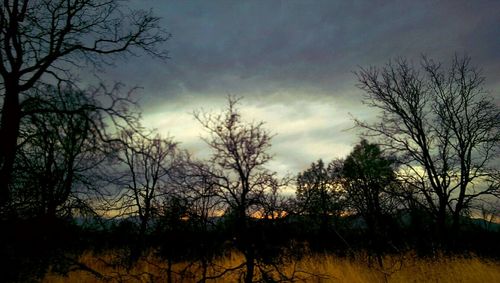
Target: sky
(293, 63)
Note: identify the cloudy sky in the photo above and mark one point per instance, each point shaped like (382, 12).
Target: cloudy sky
(293, 63)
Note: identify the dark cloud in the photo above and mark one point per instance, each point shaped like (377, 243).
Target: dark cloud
(263, 47)
(278, 52)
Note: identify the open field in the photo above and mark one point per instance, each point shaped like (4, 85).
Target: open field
(317, 268)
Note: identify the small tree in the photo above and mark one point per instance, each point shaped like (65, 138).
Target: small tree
(318, 194)
(195, 185)
(274, 204)
(192, 181)
(368, 178)
(148, 162)
(443, 128)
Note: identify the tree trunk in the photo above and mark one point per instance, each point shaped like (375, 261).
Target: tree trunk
(169, 270)
(250, 265)
(204, 269)
(441, 228)
(9, 132)
(455, 226)
(139, 245)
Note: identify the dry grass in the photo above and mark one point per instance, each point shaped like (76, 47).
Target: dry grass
(318, 268)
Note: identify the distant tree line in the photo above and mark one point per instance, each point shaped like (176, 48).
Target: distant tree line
(79, 172)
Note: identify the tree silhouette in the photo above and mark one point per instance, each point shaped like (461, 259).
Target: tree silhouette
(58, 151)
(42, 41)
(192, 181)
(148, 162)
(442, 126)
(274, 204)
(368, 178)
(195, 186)
(318, 194)
(237, 163)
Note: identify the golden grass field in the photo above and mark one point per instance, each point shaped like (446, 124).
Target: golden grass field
(317, 268)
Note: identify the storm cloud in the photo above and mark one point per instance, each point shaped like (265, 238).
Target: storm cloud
(293, 62)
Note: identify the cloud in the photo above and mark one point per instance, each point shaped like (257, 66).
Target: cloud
(292, 61)
(305, 130)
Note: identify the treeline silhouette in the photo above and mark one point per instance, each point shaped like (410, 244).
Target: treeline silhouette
(79, 172)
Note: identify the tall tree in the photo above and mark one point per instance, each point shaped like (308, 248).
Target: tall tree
(240, 151)
(444, 128)
(42, 40)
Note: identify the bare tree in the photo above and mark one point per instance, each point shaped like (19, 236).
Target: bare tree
(274, 204)
(55, 151)
(42, 40)
(193, 182)
(148, 162)
(238, 159)
(443, 127)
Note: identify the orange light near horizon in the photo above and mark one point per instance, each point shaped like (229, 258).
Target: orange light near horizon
(274, 215)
